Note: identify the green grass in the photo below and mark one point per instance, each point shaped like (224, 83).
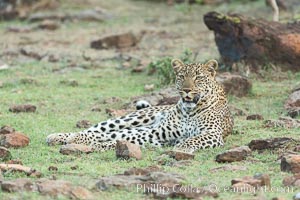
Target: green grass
(60, 106)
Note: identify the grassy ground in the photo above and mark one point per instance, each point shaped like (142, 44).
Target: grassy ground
(60, 106)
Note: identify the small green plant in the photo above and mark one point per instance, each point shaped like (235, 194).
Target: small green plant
(164, 69)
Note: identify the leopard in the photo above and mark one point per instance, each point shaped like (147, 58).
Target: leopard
(200, 119)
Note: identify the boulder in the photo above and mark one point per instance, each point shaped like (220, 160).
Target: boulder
(235, 154)
(22, 108)
(292, 104)
(83, 124)
(18, 185)
(6, 130)
(178, 155)
(15, 140)
(256, 42)
(4, 154)
(126, 150)
(290, 163)
(255, 117)
(271, 143)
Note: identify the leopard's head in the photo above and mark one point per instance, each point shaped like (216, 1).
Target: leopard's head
(195, 82)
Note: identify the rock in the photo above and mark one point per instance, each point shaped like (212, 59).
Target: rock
(69, 149)
(229, 168)
(4, 154)
(96, 109)
(126, 150)
(72, 83)
(81, 193)
(178, 155)
(255, 42)
(235, 154)
(292, 104)
(20, 29)
(97, 15)
(48, 25)
(284, 122)
(138, 69)
(29, 81)
(297, 148)
(18, 185)
(242, 187)
(255, 117)
(138, 177)
(117, 113)
(123, 40)
(15, 140)
(32, 53)
(18, 168)
(6, 130)
(257, 181)
(41, 16)
(52, 168)
(272, 143)
(74, 167)
(22, 108)
(16, 161)
(278, 198)
(297, 196)
(54, 188)
(290, 163)
(292, 180)
(83, 124)
(149, 87)
(235, 84)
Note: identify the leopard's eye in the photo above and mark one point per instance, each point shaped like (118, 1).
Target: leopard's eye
(200, 77)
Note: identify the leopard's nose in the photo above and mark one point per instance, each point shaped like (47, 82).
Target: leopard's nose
(187, 90)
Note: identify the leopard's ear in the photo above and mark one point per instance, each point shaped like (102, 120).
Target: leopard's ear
(212, 66)
(176, 64)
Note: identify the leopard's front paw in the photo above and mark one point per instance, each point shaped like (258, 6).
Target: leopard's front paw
(55, 139)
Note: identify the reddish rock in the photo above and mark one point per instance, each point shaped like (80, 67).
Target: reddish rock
(18, 185)
(235, 84)
(292, 180)
(16, 161)
(4, 154)
(81, 193)
(242, 187)
(22, 108)
(15, 140)
(96, 109)
(292, 104)
(255, 117)
(235, 154)
(126, 150)
(290, 163)
(6, 130)
(272, 143)
(284, 122)
(123, 40)
(54, 188)
(178, 155)
(83, 124)
(256, 181)
(52, 168)
(69, 149)
(20, 168)
(48, 25)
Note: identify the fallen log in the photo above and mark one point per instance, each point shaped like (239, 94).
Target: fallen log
(257, 42)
